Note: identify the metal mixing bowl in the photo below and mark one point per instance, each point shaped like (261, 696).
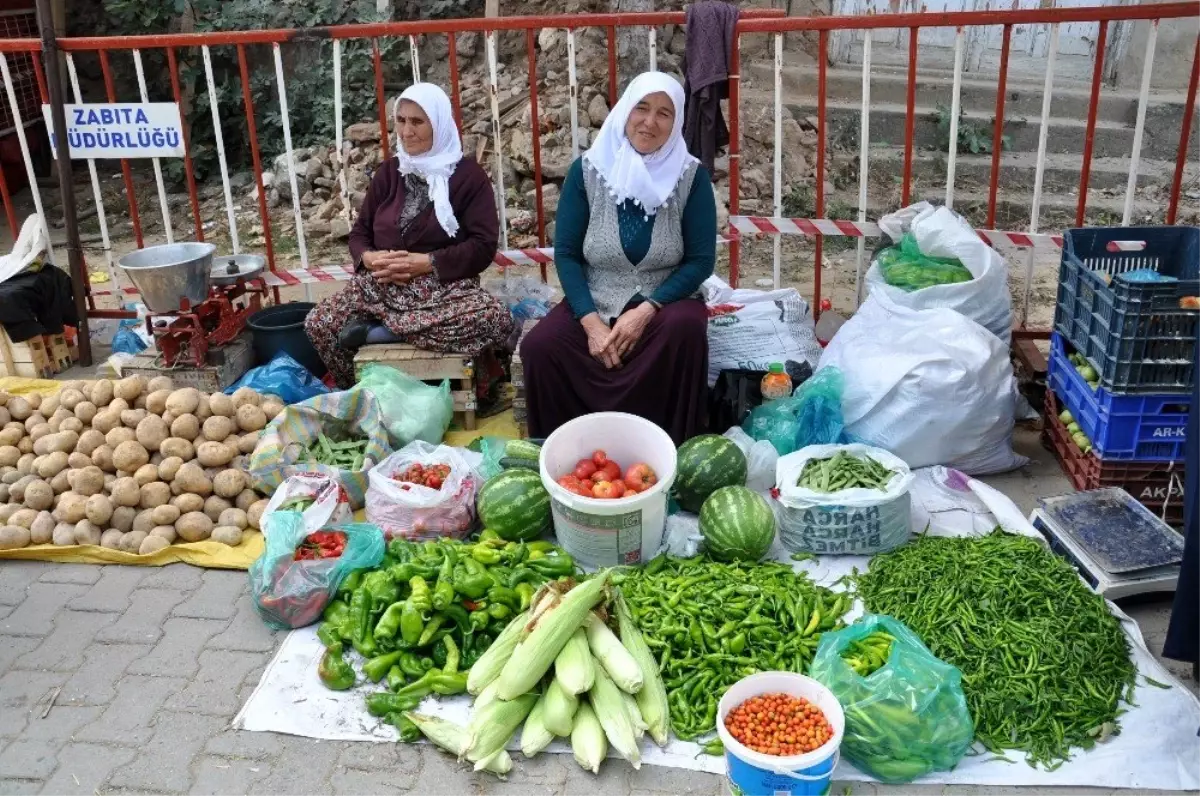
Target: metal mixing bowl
(167, 274)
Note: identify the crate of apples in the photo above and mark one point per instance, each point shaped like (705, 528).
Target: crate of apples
(600, 477)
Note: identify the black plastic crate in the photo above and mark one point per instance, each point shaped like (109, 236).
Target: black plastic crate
(1139, 336)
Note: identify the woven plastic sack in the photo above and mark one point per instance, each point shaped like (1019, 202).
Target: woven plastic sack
(411, 408)
(289, 593)
(281, 450)
(907, 718)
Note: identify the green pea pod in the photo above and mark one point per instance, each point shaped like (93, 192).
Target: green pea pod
(411, 623)
(377, 668)
(335, 673)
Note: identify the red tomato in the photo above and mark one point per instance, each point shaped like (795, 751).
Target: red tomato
(608, 490)
(569, 482)
(611, 470)
(640, 477)
(586, 468)
(599, 457)
(588, 484)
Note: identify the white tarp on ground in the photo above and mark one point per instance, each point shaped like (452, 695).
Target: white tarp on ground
(1156, 749)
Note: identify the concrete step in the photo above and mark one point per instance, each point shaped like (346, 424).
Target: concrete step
(1111, 140)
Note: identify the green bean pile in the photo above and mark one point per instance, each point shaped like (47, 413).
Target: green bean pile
(1044, 663)
(844, 470)
(710, 624)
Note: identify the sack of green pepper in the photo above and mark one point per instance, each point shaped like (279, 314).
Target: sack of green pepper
(290, 593)
(906, 714)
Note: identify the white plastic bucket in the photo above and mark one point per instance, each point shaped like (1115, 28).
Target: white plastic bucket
(605, 533)
(755, 774)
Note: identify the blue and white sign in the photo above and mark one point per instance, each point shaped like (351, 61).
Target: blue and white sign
(121, 130)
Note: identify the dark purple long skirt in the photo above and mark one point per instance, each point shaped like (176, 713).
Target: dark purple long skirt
(664, 379)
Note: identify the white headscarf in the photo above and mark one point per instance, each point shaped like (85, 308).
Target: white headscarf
(646, 179)
(438, 164)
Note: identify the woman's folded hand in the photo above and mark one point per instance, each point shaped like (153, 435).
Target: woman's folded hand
(597, 336)
(629, 329)
(398, 268)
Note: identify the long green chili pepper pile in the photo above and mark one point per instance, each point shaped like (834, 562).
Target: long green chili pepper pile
(1044, 663)
(710, 624)
(427, 613)
(844, 470)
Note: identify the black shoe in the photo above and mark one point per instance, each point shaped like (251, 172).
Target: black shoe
(353, 335)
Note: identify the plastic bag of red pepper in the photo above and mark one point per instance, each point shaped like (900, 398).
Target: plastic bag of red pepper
(300, 572)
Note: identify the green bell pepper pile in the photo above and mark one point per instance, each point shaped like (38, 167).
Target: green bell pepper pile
(427, 612)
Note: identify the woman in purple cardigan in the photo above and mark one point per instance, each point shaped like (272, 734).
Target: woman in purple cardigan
(425, 233)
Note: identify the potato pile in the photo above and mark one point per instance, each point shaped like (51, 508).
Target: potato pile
(131, 465)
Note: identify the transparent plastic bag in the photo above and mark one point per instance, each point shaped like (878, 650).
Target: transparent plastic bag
(761, 458)
(905, 719)
(415, 511)
(905, 266)
(282, 376)
(811, 416)
(411, 408)
(289, 593)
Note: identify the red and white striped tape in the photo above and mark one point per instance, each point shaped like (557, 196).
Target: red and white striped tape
(763, 225)
(1126, 246)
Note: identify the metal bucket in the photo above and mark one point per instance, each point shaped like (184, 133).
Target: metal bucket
(167, 274)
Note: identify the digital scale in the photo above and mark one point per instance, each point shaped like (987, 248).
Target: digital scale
(1118, 546)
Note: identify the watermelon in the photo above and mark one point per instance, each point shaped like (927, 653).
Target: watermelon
(737, 524)
(705, 464)
(515, 505)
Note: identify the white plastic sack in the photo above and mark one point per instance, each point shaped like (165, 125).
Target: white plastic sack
(861, 522)
(941, 232)
(750, 329)
(946, 502)
(761, 458)
(931, 386)
(30, 243)
(330, 503)
(415, 511)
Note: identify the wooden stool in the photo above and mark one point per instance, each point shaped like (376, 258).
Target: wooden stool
(428, 366)
(30, 358)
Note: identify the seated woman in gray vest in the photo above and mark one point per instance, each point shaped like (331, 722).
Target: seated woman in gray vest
(635, 237)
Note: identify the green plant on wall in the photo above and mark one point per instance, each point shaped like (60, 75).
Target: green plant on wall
(973, 138)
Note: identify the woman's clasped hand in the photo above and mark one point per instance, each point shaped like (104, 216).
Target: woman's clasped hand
(397, 267)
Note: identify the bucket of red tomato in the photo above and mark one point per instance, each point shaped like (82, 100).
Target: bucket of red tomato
(609, 475)
(300, 571)
(423, 491)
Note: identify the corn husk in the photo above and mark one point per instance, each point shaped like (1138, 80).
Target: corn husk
(610, 654)
(444, 734)
(490, 663)
(486, 696)
(574, 667)
(652, 699)
(491, 728)
(536, 653)
(609, 705)
(587, 739)
(534, 735)
(500, 763)
(635, 716)
(560, 707)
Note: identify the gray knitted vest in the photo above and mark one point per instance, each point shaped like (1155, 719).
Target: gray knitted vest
(612, 279)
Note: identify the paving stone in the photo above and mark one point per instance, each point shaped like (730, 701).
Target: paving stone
(35, 616)
(5, 610)
(441, 773)
(15, 576)
(164, 764)
(112, 591)
(212, 690)
(217, 597)
(658, 779)
(613, 777)
(83, 767)
(302, 763)
(96, 683)
(87, 574)
(130, 714)
(545, 775)
(19, 693)
(16, 786)
(369, 755)
(180, 577)
(142, 622)
(353, 781)
(62, 650)
(177, 652)
(13, 647)
(218, 775)
(29, 759)
(242, 744)
(245, 632)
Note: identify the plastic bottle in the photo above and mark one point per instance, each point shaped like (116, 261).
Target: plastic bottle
(777, 383)
(828, 324)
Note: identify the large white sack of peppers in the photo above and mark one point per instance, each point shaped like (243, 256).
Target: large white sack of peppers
(131, 465)
(827, 508)
(931, 386)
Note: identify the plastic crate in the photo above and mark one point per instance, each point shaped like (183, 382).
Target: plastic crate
(1136, 334)
(1156, 485)
(1145, 427)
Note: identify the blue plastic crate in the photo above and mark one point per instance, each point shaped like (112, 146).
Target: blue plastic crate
(1136, 335)
(1121, 427)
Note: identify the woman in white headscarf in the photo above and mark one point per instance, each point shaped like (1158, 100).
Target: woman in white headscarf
(426, 230)
(635, 236)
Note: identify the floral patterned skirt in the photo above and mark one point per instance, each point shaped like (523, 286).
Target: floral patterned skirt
(459, 317)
